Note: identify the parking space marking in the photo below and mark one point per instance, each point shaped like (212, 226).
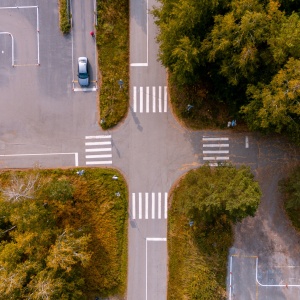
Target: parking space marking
(43, 154)
(37, 32)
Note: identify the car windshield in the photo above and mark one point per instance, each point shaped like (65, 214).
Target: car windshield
(83, 75)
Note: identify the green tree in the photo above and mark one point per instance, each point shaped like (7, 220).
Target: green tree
(183, 24)
(276, 106)
(223, 191)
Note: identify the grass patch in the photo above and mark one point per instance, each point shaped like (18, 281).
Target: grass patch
(113, 51)
(197, 257)
(86, 203)
(213, 199)
(64, 16)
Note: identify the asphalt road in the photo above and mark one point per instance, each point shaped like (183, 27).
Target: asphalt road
(46, 120)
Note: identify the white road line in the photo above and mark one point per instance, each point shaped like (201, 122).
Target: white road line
(153, 206)
(153, 99)
(215, 139)
(156, 239)
(165, 99)
(134, 99)
(9, 7)
(150, 240)
(246, 142)
(97, 143)
(159, 99)
(133, 206)
(215, 158)
(147, 99)
(91, 137)
(139, 64)
(99, 156)
(99, 162)
(98, 150)
(141, 98)
(43, 154)
(140, 206)
(166, 205)
(215, 145)
(159, 206)
(146, 205)
(85, 89)
(217, 151)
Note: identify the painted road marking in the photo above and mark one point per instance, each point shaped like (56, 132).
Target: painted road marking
(100, 162)
(140, 101)
(99, 156)
(134, 99)
(97, 143)
(153, 99)
(43, 154)
(147, 99)
(213, 156)
(98, 140)
(215, 139)
(166, 205)
(153, 205)
(97, 149)
(145, 64)
(146, 205)
(157, 204)
(215, 145)
(92, 137)
(81, 89)
(140, 205)
(149, 239)
(165, 99)
(246, 142)
(133, 206)
(216, 151)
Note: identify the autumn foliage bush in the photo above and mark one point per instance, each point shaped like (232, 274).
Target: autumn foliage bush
(62, 235)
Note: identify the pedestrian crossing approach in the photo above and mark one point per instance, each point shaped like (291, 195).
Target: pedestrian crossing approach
(215, 150)
(98, 150)
(149, 205)
(150, 99)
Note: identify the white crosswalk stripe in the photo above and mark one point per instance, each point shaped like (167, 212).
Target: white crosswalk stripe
(100, 146)
(145, 204)
(213, 150)
(147, 99)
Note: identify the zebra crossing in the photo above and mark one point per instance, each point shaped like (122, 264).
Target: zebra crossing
(215, 150)
(149, 205)
(150, 99)
(98, 150)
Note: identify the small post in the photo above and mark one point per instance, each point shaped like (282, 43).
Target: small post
(189, 107)
(120, 82)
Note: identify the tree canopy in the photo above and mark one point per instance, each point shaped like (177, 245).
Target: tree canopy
(241, 48)
(210, 193)
(61, 234)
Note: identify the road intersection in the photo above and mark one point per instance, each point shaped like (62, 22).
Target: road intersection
(48, 121)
